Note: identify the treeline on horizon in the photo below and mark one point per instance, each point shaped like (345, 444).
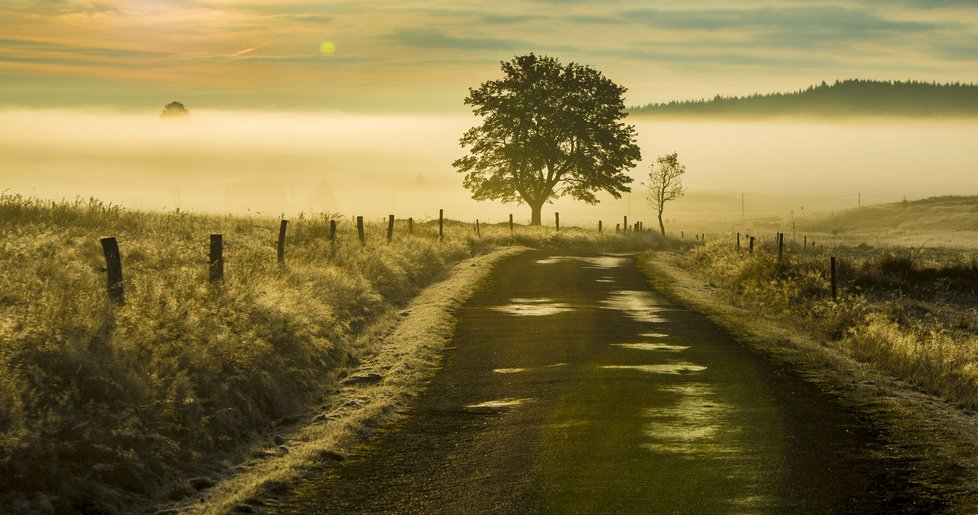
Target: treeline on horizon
(851, 97)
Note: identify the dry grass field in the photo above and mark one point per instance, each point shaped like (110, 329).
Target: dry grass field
(107, 407)
(911, 311)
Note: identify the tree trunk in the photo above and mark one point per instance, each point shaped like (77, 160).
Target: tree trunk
(661, 226)
(535, 213)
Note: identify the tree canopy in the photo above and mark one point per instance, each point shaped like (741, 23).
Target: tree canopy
(174, 109)
(548, 130)
(850, 97)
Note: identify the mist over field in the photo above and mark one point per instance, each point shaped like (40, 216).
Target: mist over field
(273, 163)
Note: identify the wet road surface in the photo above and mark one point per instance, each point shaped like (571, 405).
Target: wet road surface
(572, 387)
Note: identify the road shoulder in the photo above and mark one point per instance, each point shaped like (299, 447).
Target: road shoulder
(370, 397)
(937, 437)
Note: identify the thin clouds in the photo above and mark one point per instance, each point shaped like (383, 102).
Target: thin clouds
(275, 44)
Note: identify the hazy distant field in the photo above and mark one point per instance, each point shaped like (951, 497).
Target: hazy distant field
(222, 161)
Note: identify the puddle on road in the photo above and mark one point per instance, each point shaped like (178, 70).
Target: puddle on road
(496, 405)
(654, 335)
(637, 304)
(599, 262)
(677, 368)
(533, 307)
(652, 346)
(696, 424)
(518, 370)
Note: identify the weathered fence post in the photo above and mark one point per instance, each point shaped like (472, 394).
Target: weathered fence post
(738, 242)
(113, 269)
(441, 225)
(217, 258)
(780, 247)
(599, 226)
(751, 244)
(557, 220)
(477, 232)
(332, 231)
(511, 223)
(410, 225)
(832, 274)
(363, 238)
(390, 228)
(682, 234)
(617, 228)
(625, 224)
(281, 240)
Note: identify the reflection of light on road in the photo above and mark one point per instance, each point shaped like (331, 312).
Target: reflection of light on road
(496, 405)
(639, 305)
(654, 335)
(695, 424)
(533, 307)
(680, 367)
(602, 262)
(652, 346)
(509, 370)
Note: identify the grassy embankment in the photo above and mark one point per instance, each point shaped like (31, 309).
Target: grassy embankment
(107, 407)
(910, 312)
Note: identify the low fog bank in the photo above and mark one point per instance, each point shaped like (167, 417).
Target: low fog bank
(275, 163)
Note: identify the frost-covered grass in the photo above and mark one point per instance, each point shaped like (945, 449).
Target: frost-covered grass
(105, 407)
(909, 312)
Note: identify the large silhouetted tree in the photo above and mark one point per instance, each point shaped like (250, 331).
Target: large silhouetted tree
(548, 130)
(665, 183)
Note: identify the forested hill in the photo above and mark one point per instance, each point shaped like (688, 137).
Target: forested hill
(842, 99)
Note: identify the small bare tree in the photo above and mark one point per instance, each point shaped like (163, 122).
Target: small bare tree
(665, 183)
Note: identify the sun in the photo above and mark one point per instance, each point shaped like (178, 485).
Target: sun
(327, 47)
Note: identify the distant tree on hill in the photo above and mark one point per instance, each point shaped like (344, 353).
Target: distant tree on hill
(174, 109)
(548, 130)
(665, 183)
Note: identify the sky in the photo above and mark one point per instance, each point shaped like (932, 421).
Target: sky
(417, 56)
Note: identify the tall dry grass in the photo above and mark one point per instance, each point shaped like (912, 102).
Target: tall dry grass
(909, 312)
(104, 407)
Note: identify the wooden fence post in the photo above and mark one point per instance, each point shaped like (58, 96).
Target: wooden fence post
(390, 228)
(738, 242)
(599, 226)
(410, 225)
(441, 225)
(363, 238)
(217, 258)
(281, 240)
(832, 267)
(332, 231)
(780, 247)
(617, 228)
(477, 232)
(113, 270)
(511, 223)
(557, 220)
(751, 244)
(682, 234)
(625, 224)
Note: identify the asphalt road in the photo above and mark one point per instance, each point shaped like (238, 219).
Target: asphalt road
(572, 387)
